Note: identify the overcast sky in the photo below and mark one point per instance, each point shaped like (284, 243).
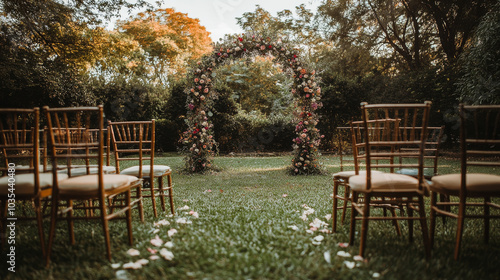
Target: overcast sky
(219, 16)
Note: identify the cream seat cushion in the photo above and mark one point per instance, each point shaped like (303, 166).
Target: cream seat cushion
(92, 170)
(476, 183)
(88, 185)
(25, 183)
(384, 182)
(158, 170)
(348, 174)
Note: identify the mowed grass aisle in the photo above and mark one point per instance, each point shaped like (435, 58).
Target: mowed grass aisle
(251, 225)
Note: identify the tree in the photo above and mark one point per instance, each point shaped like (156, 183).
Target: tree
(170, 39)
(480, 81)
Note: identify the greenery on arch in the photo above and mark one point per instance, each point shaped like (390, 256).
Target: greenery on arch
(198, 139)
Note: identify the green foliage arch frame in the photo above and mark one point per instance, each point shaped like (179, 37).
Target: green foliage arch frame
(198, 139)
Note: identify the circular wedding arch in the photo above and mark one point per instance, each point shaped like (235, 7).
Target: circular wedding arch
(198, 138)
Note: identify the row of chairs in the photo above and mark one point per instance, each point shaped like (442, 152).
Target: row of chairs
(395, 145)
(81, 184)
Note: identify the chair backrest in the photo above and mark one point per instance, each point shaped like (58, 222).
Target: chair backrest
(76, 139)
(20, 140)
(479, 138)
(389, 132)
(344, 145)
(133, 141)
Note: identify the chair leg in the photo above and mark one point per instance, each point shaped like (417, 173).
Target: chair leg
(171, 193)
(39, 220)
(153, 198)
(71, 230)
(364, 224)
(52, 231)
(354, 213)
(105, 226)
(433, 218)
(140, 206)
(347, 192)
(410, 222)
(161, 193)
(334, 210)
(460, 227)
(486, 219)
(128, 215)
(423, 225)
(395, 222)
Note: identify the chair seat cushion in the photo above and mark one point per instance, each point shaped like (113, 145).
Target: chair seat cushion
(24, 168)
(475, 183)
(158, 170)
(88, 185)
(348, 174)
(385, 182)
(92, 170)
(25, 183)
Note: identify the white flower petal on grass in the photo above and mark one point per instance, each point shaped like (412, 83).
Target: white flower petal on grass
(319, 238)
(328, 217)
(343, 254)
(349, 264)
(115, 265)
(156, 231)
(133, 252)
(166, 254)
(122, 275)
(317, 223)
(132, 265)
(185, 207)
(142, 262)
(376, 275)
(171, 232)
(169, 244)
(304, 217)
(358, 258)
(343, 245)
(325, 230)
(293, 227)
(157, 241)
(185, 200)
(183, 221)
(327, 256)
(194, 214)
(162, 223)
(309, 231)
(285, 195)
(154, 257)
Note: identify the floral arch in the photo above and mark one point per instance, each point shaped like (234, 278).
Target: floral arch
(198, 139)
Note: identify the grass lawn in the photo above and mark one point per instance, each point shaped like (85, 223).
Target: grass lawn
(245, 231)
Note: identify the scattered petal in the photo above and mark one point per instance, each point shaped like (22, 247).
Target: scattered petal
(166, 254)
(142, 262)
(115, 265)
(317, 223)
(152, 251)
(343, 254)
(185, 207)
(183, 221)
(304, 217)
(328, 217)
(313, 228)
(358, 258)
(162, 223)
(169, 244)
(157, 241)
(156, 231)
(122, 275)
(343, 245)
(294, 227)
(319, 238)
(194, 214)
(133, 252)
(325, 230)
(327, 256)
(309, 231)
(154, 257)
(285, 195)
(376, 275)
(132, 265)
(349, 264)
(171, 232)
(185, 200)
(209, 190)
